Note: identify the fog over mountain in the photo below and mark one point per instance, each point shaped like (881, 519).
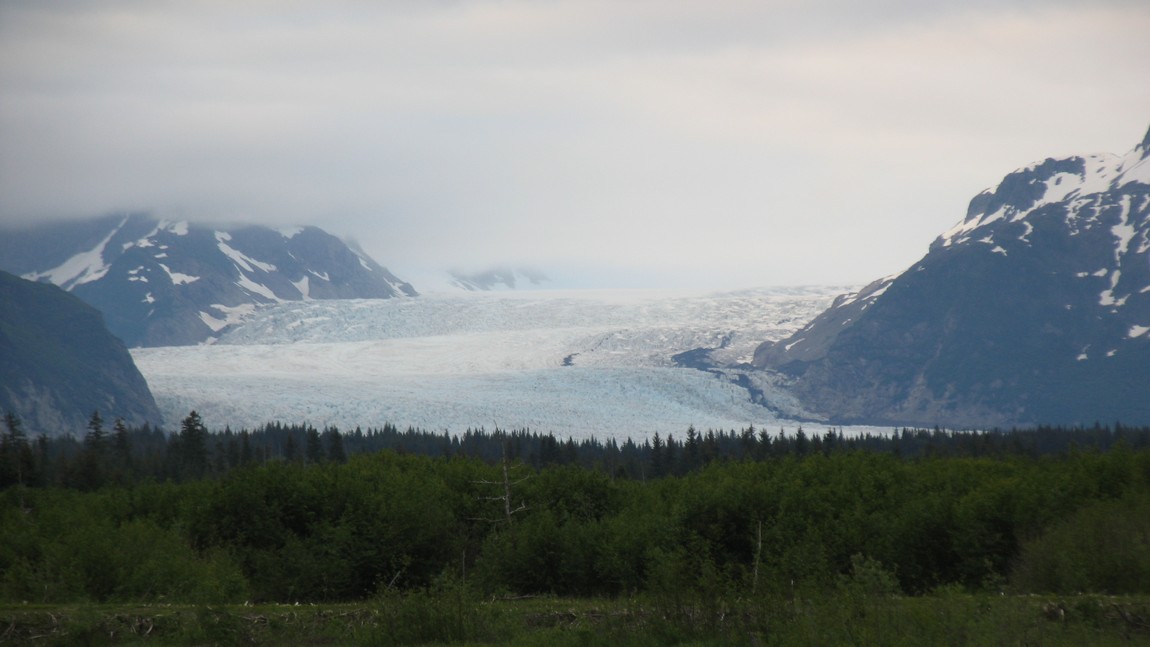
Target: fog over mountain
(638, 144)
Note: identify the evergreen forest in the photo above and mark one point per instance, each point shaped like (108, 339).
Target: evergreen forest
(715, 534)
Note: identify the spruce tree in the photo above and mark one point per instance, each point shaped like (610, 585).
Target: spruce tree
(658, 468)
(335, 450)
(314, 447)
(290, 449)
(90, 469)
(94, 440)
(246, 456)
(193, 447)
(692, 455)
(121, 450)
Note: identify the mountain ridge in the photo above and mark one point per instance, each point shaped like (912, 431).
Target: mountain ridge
(161, 282)
(1033, 309)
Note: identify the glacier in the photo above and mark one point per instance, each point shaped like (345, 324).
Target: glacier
(574, 363)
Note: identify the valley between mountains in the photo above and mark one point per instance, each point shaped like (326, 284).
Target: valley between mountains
(574, 363)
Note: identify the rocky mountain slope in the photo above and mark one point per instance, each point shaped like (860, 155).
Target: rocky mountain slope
(161, 283)
(60, 363)
(1033, 309)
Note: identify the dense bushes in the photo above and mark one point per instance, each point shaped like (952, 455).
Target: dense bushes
(1102, 547)
(386, 522)
(66, 546)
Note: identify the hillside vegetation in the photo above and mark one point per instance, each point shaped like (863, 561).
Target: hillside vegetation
(729, 546)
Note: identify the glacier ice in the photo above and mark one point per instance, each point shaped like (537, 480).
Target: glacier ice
(447, 362)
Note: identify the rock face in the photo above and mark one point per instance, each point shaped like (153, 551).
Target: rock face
(161, 283)
(1034, 309)
(60, 363)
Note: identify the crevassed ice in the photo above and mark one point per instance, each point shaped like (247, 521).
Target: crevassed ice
(454, 361)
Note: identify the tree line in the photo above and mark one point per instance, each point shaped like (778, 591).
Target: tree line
(125, 454)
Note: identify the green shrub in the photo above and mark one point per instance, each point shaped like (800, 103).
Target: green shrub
(1103, 547)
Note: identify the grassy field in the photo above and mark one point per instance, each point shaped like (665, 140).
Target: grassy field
(943, 618)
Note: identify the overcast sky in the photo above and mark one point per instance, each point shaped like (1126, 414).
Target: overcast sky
(706, 143)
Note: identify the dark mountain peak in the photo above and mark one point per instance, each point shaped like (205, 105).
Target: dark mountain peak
(1022, 190)
(1035, 308)
(1031, 190)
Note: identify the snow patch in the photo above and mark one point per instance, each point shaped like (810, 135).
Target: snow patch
(1101, 170)
(243, 261)
(255, 288)
(82, 268)
(228, 315)
(304, 288)
(1107, 296)
(1061, 185)
(1025, 236)
(968, 225)
(1137, 331)
(291, 232)
(1123, 232)
(1135, 167)
(179, 278)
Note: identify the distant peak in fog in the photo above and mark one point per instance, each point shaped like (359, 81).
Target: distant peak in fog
(500, 278)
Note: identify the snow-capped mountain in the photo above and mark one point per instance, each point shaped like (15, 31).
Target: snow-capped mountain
(1035, 308)
(161, 283)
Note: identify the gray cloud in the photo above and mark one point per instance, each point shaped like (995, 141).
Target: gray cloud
(717, 143)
